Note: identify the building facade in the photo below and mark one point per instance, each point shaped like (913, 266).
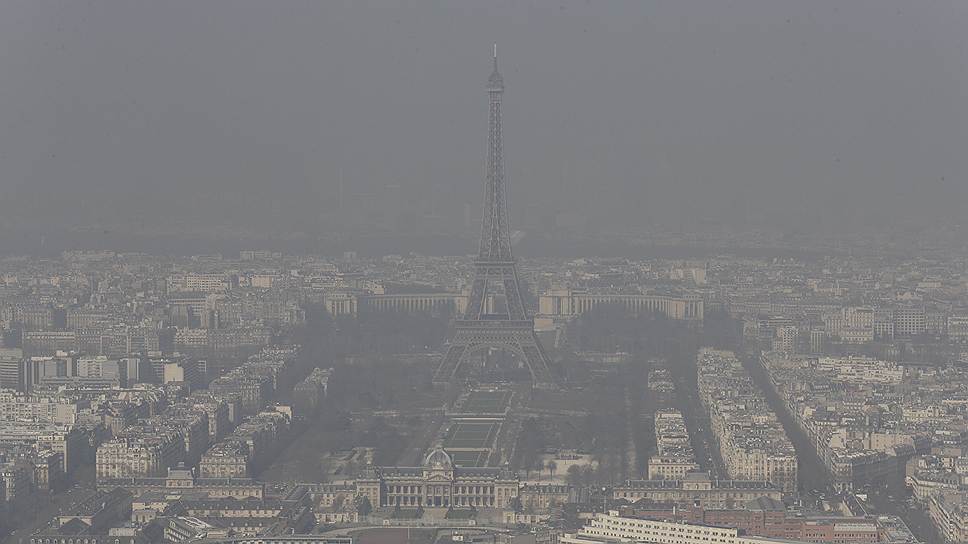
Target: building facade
(571, 302)
(438, 484)
(697, 489)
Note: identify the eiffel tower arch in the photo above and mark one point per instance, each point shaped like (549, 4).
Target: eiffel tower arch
(496, 316)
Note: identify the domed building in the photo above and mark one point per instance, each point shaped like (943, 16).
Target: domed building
(439, 483)
(438, 459)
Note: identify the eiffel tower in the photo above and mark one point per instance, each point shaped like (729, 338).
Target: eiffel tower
(487, 324)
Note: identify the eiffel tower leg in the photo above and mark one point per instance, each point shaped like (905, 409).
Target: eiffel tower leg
(452, 360)
(522, 342)
(475, 302)
(537, 361)
(512, 294)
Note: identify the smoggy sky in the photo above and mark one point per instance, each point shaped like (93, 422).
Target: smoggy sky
(789, 113)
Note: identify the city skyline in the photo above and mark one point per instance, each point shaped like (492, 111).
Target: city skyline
(709, 287)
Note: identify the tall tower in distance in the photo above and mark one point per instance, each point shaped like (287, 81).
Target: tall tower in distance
(496, 316)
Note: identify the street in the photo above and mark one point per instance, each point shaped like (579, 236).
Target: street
(697, 422)
(811, 472)
(893, 500)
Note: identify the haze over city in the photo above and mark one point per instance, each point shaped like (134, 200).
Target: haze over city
(483, 273)
(626, 116)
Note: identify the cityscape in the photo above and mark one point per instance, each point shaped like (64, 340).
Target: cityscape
(492, 372)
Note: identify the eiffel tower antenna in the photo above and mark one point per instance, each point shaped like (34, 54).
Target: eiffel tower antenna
(495, 270)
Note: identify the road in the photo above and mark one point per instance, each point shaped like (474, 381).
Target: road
(890, 499)
(697, 422)
(700, 436)
(893, 500)
(812, 474)
(419, 524)
(631, 420)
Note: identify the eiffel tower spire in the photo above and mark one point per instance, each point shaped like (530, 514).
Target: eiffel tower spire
(495, 83)
(487, 324)
(495, 235)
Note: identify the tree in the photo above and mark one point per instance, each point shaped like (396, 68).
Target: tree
(363, 506)
(552, 466)
(574, 476)
(539, 466)
(570, 515)
(531, 443)
(515, 504)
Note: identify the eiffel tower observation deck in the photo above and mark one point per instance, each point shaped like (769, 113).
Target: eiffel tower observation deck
(506, 326)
